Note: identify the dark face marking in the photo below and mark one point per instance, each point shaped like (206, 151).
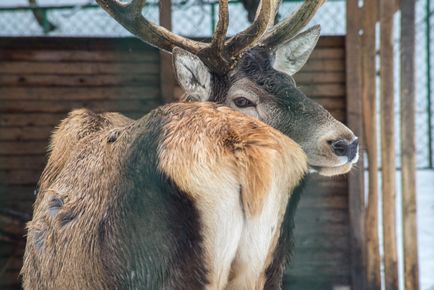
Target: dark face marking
(113, 136)
(66, 217)
(54, 205)
(38, 238)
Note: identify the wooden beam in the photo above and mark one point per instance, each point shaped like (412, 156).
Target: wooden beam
(167, 79)
(388, 143)
(373, 277)
(354, 120)
(408, 147)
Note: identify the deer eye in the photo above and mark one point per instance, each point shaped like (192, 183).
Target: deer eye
(242, 102)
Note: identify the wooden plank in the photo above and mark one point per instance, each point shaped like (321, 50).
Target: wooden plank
(78, 43)
(19, 177)
(120, 94)
(324, 65)
(331, 41)
(325, 90)
(388, 143)
(17, 194)
(30, 119)
(66, 106)
(322, 216)
(408, 140)
(28, 162)
(373, 278)
(333, 201)
(319, 282)
(23, 134)
(320, 230)
(309, 78)
(330, 103)
(15, 263)
(311, 241)
(87, 55)
(354, 117)
(316, 181)
(324, 257)
(111, 43)
(340, 115)
(46, 80)
(30, 148)
(301, 268)
(329, 53)
(166, 67)
(69, 68)
(19, 205)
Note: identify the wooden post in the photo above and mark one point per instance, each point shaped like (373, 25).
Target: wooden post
(388, 144)
(167, 78)
(354, 120)
(408, 148)
(373, 277)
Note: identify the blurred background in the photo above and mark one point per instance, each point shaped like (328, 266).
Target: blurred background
(56, 55)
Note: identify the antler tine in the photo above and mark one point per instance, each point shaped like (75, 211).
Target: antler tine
(248, 38)
(130, 16)
(274, 10)
(291, 25)
(218, 39)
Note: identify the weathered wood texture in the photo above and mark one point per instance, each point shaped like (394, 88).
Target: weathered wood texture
(41, 80)
(369, 105)
(166, 68)
(35, 97)
(387, 108)
(408, 140)
(354, 115)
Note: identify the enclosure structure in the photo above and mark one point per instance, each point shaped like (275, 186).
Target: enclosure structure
(41, 79)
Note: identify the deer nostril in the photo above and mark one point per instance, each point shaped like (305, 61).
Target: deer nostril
(340, 147)
(352, 149)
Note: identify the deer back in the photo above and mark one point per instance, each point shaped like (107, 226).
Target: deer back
(147, 203)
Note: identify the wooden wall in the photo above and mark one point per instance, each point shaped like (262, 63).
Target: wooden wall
(42, 79)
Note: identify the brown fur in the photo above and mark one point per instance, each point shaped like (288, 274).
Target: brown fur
(88, 231)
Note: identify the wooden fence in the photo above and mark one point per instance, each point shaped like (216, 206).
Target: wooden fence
(41, 79)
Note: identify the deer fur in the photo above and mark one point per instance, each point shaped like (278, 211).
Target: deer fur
(191, 196)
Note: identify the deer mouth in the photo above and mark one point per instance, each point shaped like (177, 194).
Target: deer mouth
(331, 171)
(342, 168)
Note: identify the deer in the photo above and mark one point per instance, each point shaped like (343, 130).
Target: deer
(150, 214)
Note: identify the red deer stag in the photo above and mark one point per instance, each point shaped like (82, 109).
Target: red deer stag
(252, 73)
(120, 207)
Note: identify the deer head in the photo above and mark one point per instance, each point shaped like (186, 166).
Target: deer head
(252, 72)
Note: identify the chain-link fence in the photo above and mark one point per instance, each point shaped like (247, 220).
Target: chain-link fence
(197, 18)
(192, 18)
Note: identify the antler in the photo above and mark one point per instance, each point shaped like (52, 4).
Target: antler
(130, 16)
(218, 55)
(290, 26)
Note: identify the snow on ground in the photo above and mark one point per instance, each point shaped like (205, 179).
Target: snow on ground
(425, 220)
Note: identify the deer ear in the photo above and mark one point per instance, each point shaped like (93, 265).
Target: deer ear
(192, 74)
(291, 56)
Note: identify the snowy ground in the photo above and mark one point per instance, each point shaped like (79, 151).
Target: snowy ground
(425, 219)
(425, 215)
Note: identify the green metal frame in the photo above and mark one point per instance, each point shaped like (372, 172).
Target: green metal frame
(428, 82)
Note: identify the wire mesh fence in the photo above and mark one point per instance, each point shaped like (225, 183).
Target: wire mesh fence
(197, 18)
(192, 18)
